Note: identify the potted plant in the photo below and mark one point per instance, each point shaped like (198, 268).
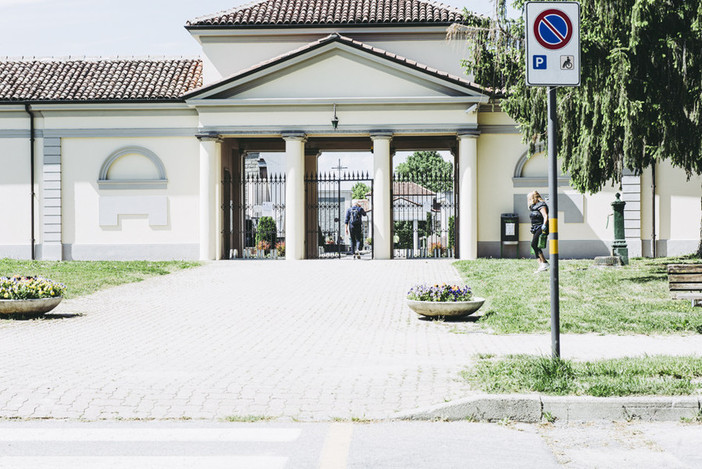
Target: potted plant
(29, 295)
(443, 300)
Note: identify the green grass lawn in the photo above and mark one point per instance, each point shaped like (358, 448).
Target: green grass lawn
(83, 278)
(633, 299)
(659, 375)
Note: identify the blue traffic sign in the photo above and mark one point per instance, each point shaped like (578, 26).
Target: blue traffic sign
(539, 62)
(553, 29)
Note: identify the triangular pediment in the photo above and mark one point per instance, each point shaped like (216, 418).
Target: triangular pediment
(338, 69)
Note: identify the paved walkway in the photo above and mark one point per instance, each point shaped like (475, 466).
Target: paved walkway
(309, 340)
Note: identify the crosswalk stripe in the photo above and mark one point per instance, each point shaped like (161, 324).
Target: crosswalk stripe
(335, 452)
(150, 434)
(143, 462)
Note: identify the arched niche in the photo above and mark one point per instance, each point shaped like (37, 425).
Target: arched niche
(132, 168)
(533, 172)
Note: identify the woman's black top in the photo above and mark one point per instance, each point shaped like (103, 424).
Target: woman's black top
(537, 219)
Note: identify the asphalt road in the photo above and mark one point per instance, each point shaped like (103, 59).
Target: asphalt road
(271, 445)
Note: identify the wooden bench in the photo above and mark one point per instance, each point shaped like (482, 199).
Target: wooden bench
(685, 282)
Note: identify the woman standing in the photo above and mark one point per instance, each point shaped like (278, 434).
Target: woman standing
(539, 218)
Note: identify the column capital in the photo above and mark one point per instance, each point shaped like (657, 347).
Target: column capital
(467, 133)
(294, 136)
(208, 137)
(381, 134)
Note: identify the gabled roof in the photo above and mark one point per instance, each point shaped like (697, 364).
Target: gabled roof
(337, 38)
(143, 79)
(408, 188)
(305, 13)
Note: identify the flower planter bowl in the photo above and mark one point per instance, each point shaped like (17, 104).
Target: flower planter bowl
(453, 309)
(35, 307)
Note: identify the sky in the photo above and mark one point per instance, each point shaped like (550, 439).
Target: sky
(60, 28)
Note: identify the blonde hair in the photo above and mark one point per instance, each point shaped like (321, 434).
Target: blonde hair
(534, 197)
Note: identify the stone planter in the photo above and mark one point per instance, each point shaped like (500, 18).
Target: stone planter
(453, 309)
(29, 307)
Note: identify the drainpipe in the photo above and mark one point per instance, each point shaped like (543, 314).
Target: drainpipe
(28, 109)
(653, 209)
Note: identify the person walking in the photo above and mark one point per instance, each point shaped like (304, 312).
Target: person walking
(539, 224)
(354, 223)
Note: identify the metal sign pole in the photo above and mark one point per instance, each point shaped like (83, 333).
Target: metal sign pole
(553, 59)
(553, 222)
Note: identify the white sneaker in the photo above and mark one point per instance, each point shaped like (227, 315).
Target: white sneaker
(543, 266)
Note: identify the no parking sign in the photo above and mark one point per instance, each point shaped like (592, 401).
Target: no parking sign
(553, 43)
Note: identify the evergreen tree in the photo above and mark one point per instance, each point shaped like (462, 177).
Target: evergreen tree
(640, 98)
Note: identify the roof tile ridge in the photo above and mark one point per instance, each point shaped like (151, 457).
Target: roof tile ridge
(401, 58)
(441, 5)
(221, 13)
(94, 59)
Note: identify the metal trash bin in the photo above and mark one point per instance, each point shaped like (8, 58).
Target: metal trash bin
(509, 231)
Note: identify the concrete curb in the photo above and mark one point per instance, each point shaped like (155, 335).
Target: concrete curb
(530, 408)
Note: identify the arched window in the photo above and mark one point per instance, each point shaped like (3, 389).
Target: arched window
(132, 168)
(533, 172)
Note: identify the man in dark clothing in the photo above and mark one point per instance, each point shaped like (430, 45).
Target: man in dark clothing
(354, 222)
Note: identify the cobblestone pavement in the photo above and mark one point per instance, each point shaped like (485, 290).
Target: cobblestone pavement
(308, 340)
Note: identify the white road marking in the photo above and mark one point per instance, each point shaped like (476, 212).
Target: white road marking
(335, 453)
(149, 434)
(145, 462)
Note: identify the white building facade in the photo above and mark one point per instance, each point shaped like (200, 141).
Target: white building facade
(139, 159)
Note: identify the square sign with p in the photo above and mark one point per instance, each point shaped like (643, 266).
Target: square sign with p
(539, 62)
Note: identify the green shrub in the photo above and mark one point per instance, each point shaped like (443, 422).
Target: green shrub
(266, 232)
(404, 232)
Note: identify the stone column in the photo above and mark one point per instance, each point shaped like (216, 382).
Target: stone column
(382, 203)
(210, 164)
(468, 195)
(295, 196)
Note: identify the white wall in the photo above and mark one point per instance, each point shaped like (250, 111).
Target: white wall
(226, 55)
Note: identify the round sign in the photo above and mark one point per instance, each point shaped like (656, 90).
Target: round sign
(553, 29)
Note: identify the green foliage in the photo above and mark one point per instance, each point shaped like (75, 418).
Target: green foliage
(429, 227)
(428, 169)
(659, 375)
(404, 232)
(266, 232)
(359, 191)
(629, 300)
(640, 98)
(451, 231)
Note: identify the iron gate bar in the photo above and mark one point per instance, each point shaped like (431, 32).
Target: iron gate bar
(428, 203)
(325, 203)
(262, 196)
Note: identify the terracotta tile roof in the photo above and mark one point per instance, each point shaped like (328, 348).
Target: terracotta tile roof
(98, 79)
(334, 37)
(332, 12)
(407, 188)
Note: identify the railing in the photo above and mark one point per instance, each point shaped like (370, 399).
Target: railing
(262, 211)
(327, 198)
(424, 216)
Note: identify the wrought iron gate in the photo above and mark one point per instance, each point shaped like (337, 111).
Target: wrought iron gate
(424, 212)
(262, 210)
(327, 198)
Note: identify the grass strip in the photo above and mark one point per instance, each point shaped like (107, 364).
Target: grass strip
(641, 376)
(85, 277)
(632, 299)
